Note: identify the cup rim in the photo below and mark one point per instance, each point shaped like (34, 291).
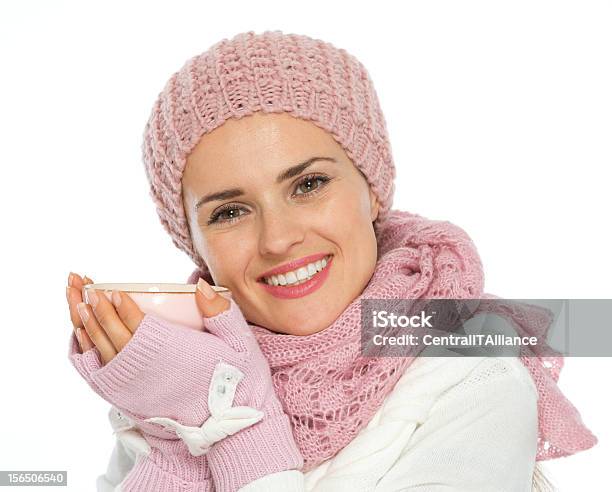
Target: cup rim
(150, 287)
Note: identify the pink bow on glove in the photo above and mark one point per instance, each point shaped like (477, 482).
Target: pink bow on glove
(203, 400)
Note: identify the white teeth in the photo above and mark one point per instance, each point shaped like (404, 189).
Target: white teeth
(297, 276)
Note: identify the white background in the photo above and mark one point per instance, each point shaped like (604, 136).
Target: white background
(500, 118)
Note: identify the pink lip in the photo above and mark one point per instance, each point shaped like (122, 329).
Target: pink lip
(292, 292)
(293, 265)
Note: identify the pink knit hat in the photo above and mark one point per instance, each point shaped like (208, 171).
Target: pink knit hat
(270, 72)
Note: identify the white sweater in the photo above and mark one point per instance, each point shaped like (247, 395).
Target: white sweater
(450, 424)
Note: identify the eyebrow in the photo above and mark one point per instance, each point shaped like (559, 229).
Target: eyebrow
(283, 176)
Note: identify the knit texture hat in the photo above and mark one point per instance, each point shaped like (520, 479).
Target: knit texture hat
(270, 72)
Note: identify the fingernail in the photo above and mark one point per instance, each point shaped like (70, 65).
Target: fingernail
(116, 298)
(78, 335)
(92, 297)
(87, 280)
(70, 278)
(206, 289)
(68, 294)
(82, 309)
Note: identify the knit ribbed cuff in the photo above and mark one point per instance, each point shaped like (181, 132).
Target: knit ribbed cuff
(231, 327)
(266, 447)
(141, 349)
(151, 474)
(146, 343)
(85, 363)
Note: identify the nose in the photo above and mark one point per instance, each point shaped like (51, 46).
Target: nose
(279, 232)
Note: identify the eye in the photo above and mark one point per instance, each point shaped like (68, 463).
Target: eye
(308, 183)
(227, 213)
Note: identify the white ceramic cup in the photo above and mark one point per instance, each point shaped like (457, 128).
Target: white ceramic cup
(174, 303)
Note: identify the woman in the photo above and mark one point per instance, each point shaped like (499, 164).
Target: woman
(270, 166)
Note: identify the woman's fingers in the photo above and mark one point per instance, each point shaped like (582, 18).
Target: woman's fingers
(127, 309)
(236, 333)
(85, 341)
(96, 333)
(73, 296)
(209, 302)
(108, 320)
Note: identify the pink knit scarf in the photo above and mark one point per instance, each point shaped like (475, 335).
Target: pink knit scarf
(330, 392)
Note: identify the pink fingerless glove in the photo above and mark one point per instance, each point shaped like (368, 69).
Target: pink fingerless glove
(203, 400)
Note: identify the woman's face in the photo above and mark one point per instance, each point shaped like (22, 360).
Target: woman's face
(270, 189)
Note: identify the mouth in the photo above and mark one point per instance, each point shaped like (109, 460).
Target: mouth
(298, 276)
(297, 287)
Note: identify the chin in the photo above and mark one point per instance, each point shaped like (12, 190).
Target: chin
(297, 327)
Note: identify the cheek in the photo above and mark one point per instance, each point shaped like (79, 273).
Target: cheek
(227, 257)
(348, 223)
(346, 215)
(198, 238)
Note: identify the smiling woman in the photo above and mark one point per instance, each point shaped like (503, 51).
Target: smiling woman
(285, 218)
(270, 166)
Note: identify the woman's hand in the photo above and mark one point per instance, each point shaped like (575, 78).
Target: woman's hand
(73, 296)
(110, 326)
(211, 388)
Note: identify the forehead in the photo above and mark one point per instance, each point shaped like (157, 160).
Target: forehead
(272, 139)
